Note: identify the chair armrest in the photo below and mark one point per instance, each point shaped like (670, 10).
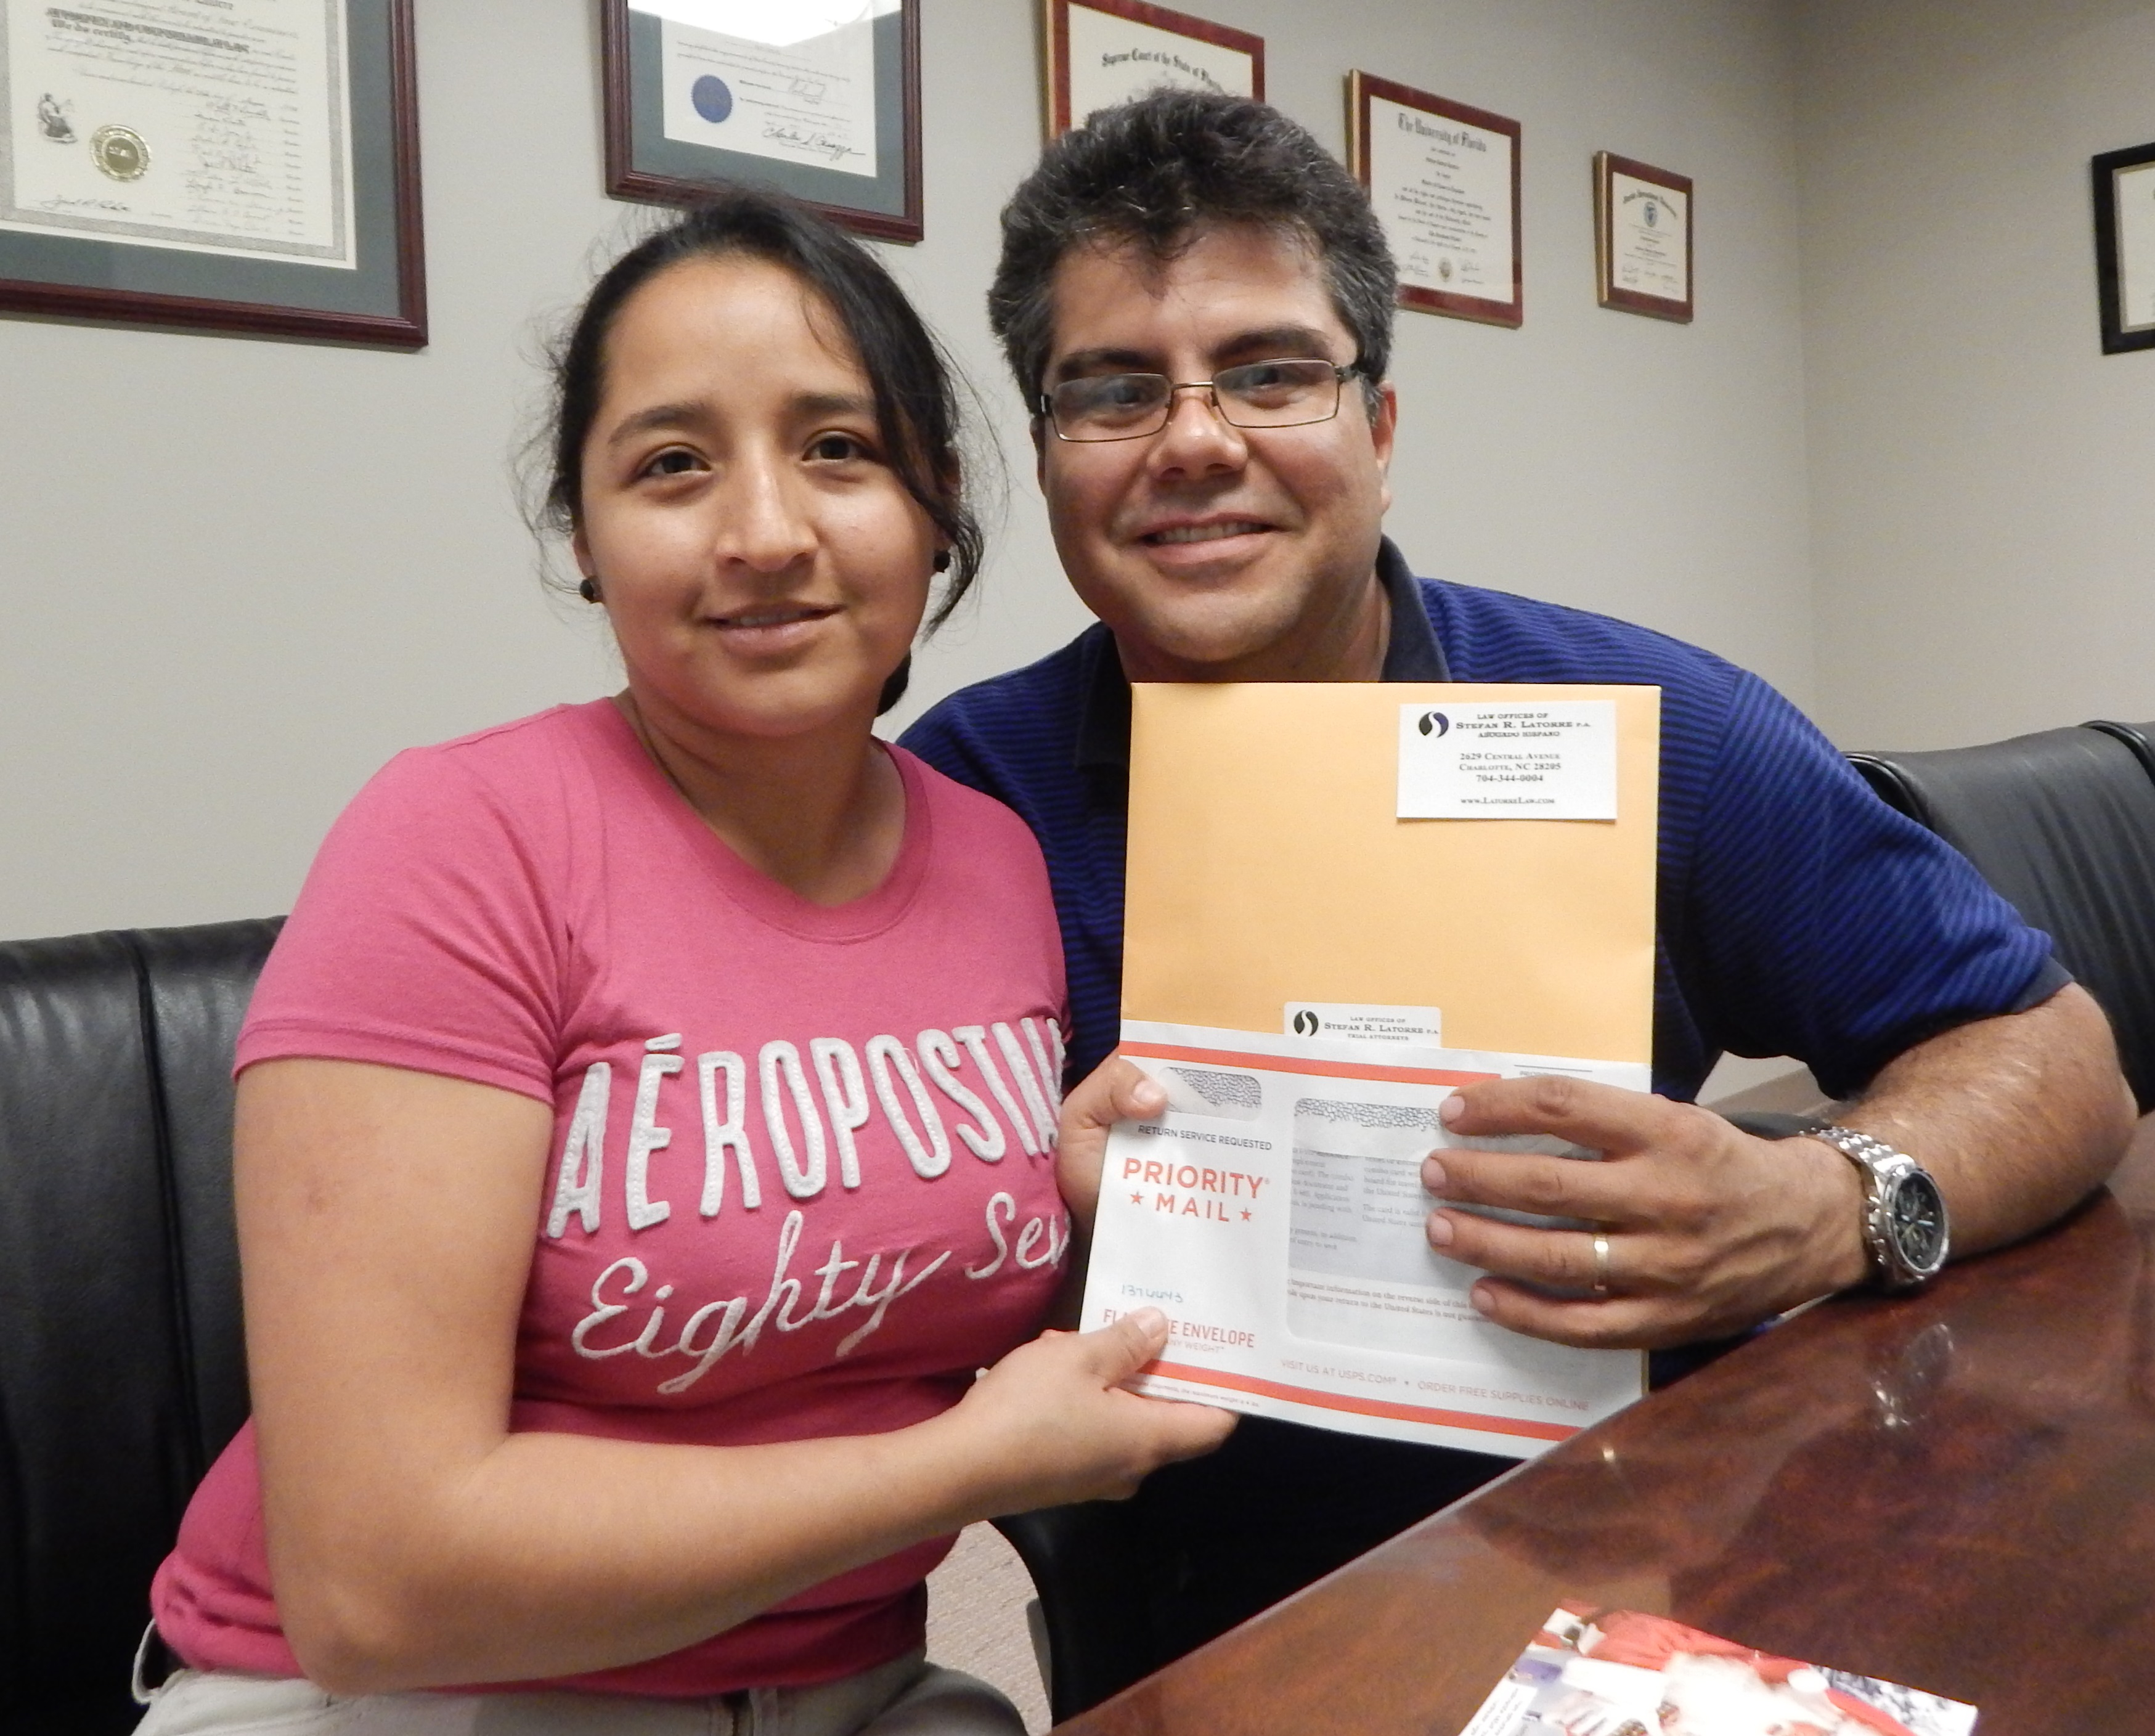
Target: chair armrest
(1086, 1565)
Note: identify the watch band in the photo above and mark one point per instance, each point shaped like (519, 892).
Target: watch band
(1904, 1226)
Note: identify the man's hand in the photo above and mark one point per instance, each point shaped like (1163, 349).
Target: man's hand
(1709, 1229)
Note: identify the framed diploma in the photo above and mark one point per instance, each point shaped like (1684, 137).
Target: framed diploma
(1445, 180)
(251, 168)
(2125, 247)
(1642, 237)
(819, 98)
(1100, 53)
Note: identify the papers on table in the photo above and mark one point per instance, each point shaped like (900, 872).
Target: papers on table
(1612, 1671)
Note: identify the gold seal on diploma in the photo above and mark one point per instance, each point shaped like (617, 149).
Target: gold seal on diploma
(119, 152)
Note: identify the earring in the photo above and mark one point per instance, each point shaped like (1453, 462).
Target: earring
(589, 591)
(942, 562)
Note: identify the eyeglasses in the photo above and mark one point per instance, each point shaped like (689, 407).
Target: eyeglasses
(1282, 394)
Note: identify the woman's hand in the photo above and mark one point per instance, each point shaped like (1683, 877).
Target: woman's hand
(1115, 1090)
(1052, 1423)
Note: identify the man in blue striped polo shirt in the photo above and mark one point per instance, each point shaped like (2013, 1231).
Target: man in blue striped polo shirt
(1196, 301)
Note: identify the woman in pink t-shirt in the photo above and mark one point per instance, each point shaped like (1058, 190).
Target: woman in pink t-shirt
(646, 1120)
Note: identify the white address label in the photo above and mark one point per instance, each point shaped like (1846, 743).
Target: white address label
(1537, 759)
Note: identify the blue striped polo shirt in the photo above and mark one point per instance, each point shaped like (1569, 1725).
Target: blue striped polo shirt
(1797, 914)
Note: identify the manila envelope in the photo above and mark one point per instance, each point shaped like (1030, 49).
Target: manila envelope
(1267, 864)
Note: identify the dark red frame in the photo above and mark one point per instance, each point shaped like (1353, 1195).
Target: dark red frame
(1607, 163)
(1361, 86)
(404, 330)
(625, 181)
(1055, 27)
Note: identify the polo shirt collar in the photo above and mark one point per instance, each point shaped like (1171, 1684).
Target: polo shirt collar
(1412, 653)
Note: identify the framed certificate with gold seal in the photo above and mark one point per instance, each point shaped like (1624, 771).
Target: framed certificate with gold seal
(1443, 180)
(252, 166)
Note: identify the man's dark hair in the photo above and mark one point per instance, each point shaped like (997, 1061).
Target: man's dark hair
(1154, 173)
(916, 403)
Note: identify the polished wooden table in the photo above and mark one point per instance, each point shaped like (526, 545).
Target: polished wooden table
(1955, 1490)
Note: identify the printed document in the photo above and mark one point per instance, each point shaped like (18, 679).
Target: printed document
(1275, 1213)
(803, 94)
(1602, 1673)
(160, 123)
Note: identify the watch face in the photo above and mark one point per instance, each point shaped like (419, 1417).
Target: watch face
(1918, 1223)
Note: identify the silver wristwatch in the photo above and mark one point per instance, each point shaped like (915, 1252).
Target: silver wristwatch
(1904, 1214)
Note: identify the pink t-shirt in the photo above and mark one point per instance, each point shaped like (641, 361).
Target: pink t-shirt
(801, 1182)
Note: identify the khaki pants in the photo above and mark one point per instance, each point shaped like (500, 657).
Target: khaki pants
(906, 1696)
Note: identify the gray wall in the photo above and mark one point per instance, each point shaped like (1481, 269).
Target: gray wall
(1984, 475)
(236, 576)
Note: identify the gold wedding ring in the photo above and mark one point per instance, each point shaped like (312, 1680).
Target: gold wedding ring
(1600, 1265)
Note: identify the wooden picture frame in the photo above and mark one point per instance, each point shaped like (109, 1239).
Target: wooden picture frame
(2124, 188)
(332, 250)
(665, 129)
(1136, 37)
(1444, 179)
(1643, 227)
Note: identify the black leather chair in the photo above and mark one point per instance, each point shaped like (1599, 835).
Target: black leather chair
(2062, 823)
(2139, 737)
(122, 1372)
